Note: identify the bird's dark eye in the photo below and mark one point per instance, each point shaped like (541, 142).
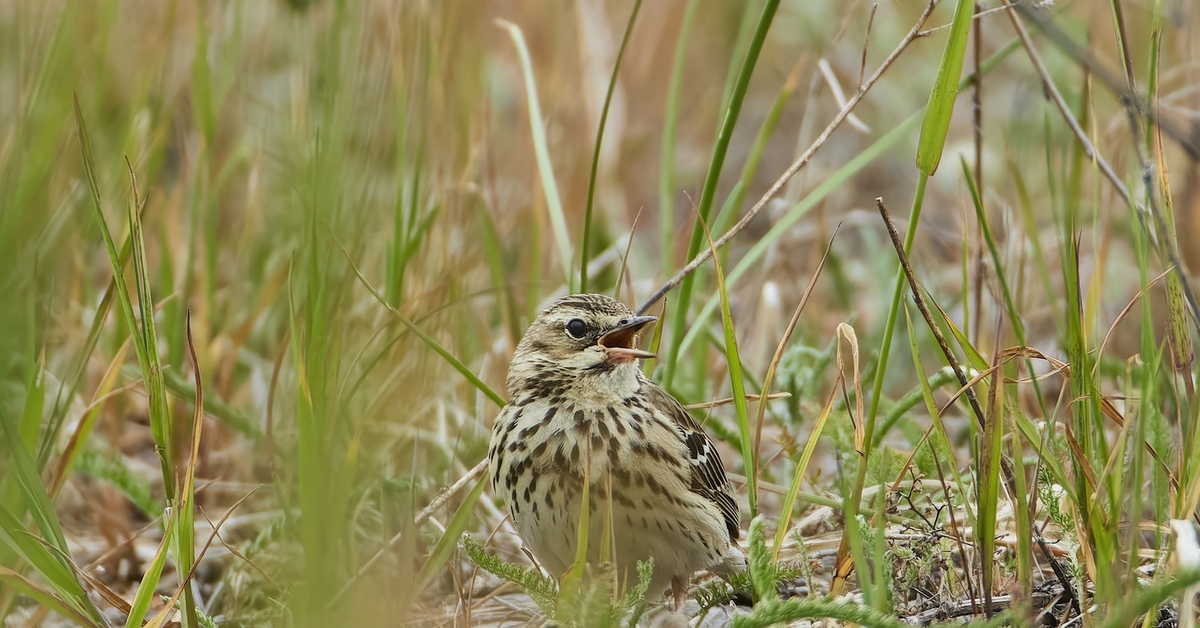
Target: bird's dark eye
(576, 328)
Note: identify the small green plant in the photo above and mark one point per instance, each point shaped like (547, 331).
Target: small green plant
(595, 602)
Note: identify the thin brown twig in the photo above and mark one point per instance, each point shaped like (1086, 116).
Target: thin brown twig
(787, 335)
(1005, 464)
(716, 403)
(623, 272)
(977, 126)
(976, 17)
(799, 163)
(961, 374)
(862, 66)
(441, 498)
(228, 546)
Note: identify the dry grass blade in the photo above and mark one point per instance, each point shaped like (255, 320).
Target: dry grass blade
(920, 300)
(717, 403)
(845, 332)
(851, 552)
(43, 596)
(83, 428)
(188, 484)
(787, 335)
(110, 596)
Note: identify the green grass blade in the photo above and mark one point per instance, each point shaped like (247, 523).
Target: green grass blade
(789, 500)
(448, 541)
(988, 475)
(147, 588)
(123, 298)
(741, 43)
(572, 585)
(1023, 588)
(46, 598)
(148, 359)
(151, 371)
(591, 193)
(926, 393)
(729, 211)
(35, 393)
(311, 470)
(47, 564)
(426, 338)
(47, 554)
(683, 305)
(545, 167)
(737, 384)
(36, 501)
(945, 91)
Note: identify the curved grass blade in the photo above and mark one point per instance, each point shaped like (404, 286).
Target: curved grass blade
(426, 338)
(46, 598)
(542, 152)
(769, 378)
(587, 215)
(149, 584)
(789, 500)
(736, 380)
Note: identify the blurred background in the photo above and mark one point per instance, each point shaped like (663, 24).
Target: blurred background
(303, 168)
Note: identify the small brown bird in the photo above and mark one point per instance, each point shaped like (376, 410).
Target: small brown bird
(581, 408)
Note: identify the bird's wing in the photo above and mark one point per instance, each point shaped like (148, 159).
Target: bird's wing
(708, 472)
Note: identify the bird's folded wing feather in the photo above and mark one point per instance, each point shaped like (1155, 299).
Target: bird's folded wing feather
(708, 472)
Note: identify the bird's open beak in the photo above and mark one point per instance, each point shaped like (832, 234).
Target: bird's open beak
(621, 342)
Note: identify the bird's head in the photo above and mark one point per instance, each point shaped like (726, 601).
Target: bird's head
(579, 335)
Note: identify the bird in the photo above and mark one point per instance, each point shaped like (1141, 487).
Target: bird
(581, 409)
